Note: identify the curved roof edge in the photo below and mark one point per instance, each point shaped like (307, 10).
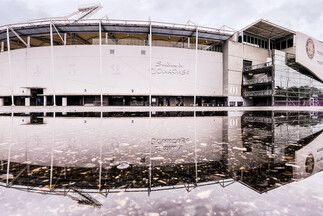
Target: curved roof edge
(63, 25)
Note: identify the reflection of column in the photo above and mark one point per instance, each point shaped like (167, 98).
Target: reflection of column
(9, 150)
(100, 161)
(195, 147)
(150, 166)
(52, 153)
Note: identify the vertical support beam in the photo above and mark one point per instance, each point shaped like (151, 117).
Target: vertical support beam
(45, 100)
(2, 46)
(100, 48)
(27, 101)
(28, 42)
(188, 42)
(64, 101)
(195, 74)
(106, 38)
(10, 67)
(150, 56)
(52, 57)
(65, 39)
(1, 101)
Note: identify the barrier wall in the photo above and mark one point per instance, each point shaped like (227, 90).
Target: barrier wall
(125, 71)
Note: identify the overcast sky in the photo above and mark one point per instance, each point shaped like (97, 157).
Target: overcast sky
(299, 15)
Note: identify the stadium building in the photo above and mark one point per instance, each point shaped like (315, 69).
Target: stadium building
(77, 61)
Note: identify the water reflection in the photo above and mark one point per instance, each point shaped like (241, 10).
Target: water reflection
(79, 154)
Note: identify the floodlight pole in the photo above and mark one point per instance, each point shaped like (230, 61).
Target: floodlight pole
(10, 67)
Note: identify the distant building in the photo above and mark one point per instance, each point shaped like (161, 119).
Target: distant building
(74, 60)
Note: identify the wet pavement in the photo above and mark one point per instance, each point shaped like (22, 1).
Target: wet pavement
(161, 163)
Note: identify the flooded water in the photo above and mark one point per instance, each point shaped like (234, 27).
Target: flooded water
(161, 163)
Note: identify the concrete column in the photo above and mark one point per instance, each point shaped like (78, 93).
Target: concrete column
(64, 101)
(1, 102)
(27, 101)
(28, 42)
(45, 100)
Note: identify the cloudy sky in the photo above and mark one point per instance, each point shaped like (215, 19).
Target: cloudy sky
(299, 15)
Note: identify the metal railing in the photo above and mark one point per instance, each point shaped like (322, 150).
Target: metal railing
(257, 93)
(263, 79)
(257, 66)
(157, 43)
(105, 20)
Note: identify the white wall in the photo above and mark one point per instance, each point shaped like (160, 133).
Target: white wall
(126, 72)
(234, 54)
(314, 64)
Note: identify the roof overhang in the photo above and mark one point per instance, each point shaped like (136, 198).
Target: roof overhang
(267, 29)
(42, 27)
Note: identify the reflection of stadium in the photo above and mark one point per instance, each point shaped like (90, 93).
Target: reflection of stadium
(207, 150)
(77, 61)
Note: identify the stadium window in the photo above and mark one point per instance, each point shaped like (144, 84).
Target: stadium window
(283, 44)
(251, 40)
(262, 44)
(240, 39)
(266, 45)
(248, 39)
(290, 43)
(244, 38)
(256, 41)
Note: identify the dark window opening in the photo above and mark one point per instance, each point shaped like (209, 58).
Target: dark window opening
(283, 45)
(290, 43)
